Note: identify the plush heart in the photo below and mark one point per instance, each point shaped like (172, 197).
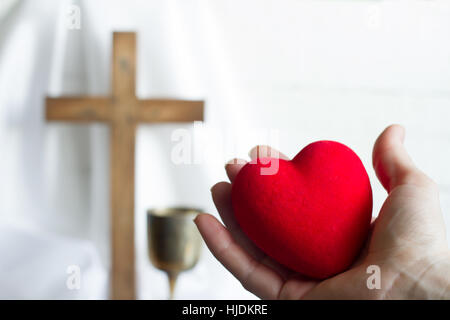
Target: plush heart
(311, 214)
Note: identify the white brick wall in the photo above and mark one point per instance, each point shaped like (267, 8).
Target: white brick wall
(340, 70)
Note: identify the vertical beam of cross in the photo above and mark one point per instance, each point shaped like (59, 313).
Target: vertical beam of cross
(123, 132)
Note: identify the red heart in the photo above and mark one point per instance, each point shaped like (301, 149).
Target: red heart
(312, 214)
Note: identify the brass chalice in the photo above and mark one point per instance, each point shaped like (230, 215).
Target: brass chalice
(174, 243)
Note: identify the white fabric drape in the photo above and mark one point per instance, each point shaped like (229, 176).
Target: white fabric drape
(55, 175)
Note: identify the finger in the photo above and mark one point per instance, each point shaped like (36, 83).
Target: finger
(254, 276)
(262, 151)
(297, 287)
(365, 249)
(233, 167)
(392, 163)
(221, 194)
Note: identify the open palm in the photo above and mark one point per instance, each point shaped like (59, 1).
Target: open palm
(407, 240)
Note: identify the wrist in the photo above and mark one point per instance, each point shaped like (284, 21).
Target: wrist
(435, 281)
(428, 278)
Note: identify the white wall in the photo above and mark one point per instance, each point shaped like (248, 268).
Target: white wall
(340, 70)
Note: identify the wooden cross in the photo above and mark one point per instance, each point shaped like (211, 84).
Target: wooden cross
(122, 111)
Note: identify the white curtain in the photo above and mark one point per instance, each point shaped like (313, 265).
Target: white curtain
(54, 186)
(305, 70)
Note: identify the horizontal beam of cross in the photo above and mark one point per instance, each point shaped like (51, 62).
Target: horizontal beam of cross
(98, 109)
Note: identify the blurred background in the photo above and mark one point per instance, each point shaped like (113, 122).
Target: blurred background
(280, 72)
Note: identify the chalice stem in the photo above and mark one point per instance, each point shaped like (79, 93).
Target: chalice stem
(172, 281)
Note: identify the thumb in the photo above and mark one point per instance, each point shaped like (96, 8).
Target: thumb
(392, 163)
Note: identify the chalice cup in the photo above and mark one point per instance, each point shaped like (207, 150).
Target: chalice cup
(174, 243)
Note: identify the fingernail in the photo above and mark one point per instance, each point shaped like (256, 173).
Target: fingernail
(404, 134)
(230, 162)
(212, 187)
(253, 150)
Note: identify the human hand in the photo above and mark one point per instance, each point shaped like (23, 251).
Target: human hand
(407, 240)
